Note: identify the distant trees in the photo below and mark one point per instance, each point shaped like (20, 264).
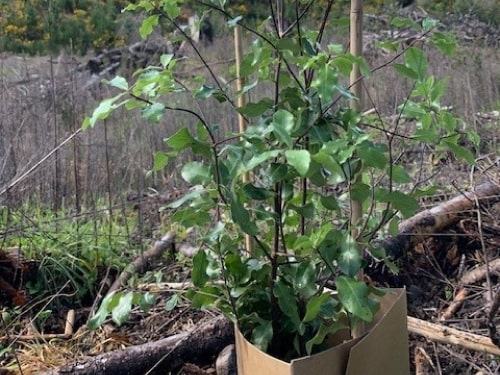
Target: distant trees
(39, 26)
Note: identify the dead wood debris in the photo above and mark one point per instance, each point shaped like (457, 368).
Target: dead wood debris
(423, 362)
(446, 335)
(15, 272)
(431, 221)
(68, 332)
(145, 261)
(168, 355)
(453, 307)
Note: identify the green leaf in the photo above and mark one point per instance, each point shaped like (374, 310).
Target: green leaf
(313, 306)
(412, 110)
(256, 109)
(350, 258)
(322, 332)
(353, 295)
(299, 159)
(429, 23)
(118, 82)
(438, 90)
(360, 192)
(305, 279)
(172, 302)
(277, 172)
(102, 111)
(241, 216)
(460, 151)
(329, 202)
(406, 204)
(256, 193)
(235, 266)
(106, 305)
(401, 22)
(446, 43)
(193, 194)
(326, 83)
(206, 296)
(283, 122)
(391, 45)
(171, 7)
(287, 302)
(183, 140)
(122, 311)
(180, 140)
(205, 92)
(190, 217)
(160, 160)
(262, 335)
(260, 158)
(147, 25)
(400, 175)
(373, 155)
(307, 210)
(146, 300)
(344, 63)
(415, 59)
(166, 59)
(330, 164)
(288, 44)
(199, 272)
(405, 71)
(153, 112)
(394, 226)
(196, 173)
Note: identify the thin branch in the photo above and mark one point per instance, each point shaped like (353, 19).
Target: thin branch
(16, 181)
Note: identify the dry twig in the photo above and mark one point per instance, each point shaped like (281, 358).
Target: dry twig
(447, 335)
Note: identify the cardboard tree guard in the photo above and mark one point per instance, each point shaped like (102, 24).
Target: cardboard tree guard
(382, 350)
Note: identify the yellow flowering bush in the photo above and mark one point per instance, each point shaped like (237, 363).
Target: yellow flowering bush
(39, 26)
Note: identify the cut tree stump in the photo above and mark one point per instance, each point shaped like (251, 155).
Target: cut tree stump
(425, 223)
(200, 346)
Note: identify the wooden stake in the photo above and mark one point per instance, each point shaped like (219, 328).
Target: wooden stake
(356, 48)
(242, 124)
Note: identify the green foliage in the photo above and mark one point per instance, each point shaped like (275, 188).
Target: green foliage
(267, 182)
(119, 305)
(38, 26)
(70, 263)
(484, 10)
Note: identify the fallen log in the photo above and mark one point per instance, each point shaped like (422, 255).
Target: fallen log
(415, 229)
(200, 346)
